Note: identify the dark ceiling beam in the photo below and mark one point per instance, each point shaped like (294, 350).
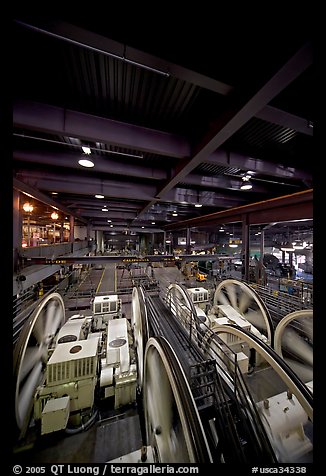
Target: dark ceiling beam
(104, 164)
(87, 186)
(35, 193)
(107, 164)
(222, 182)
(244, 162)
(65, 122)
(285, 119)
(297, 206)
(226, 126)
(73, 203)
(122, 216)
(112, 166)
(38, 116)
(101, 44)
(206, 198)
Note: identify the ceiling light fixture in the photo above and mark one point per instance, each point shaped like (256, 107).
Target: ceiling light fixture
(86, 163)
(99, 196)
(246, 185)
(198, 205)
(86, 150)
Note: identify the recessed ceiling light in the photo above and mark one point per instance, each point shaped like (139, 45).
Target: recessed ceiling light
(105, 210)
(198, 205)
(99, 196)
(86, 163)
(153, 222)
(109, 221)
(54, 193)
(246, 186)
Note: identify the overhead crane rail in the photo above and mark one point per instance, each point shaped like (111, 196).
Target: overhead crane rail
(126, 259)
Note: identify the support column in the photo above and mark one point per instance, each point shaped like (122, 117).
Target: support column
(88, 231)
(188, 241)
(164, 241)
(17, 228)
(61, 232)
(245, 248)
(72, 226)
(99, 241)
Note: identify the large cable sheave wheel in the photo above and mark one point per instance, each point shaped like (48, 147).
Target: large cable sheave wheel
(31, 354)
(173, 426)
(139, 322)
(284, 403)
(293, 341)
(247, 302)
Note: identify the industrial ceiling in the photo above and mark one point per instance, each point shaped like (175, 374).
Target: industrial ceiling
(172, 121)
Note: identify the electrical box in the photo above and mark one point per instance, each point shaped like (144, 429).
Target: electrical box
(198, 295)
(55, 415)
(106, 304)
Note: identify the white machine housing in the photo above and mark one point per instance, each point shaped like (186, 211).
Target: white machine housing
(118, 374)
(199, 296)
(223, 314)
(284, 419)
(104, 309)
(87, 351)
(74, 329)
(71, 372)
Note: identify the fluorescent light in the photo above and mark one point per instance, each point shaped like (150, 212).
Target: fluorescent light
(233, 246)
(28, 195)
(86, 150)
(86, 163)
(99, 196)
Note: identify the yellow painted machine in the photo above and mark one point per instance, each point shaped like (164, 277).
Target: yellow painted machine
(200, 276)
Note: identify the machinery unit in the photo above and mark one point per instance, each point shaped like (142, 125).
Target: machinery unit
(72, 371)
(55, 415)
(199, 296)
(74, 329)
(74, 363)
(284, 418)
(105, 308)
(118, 368)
